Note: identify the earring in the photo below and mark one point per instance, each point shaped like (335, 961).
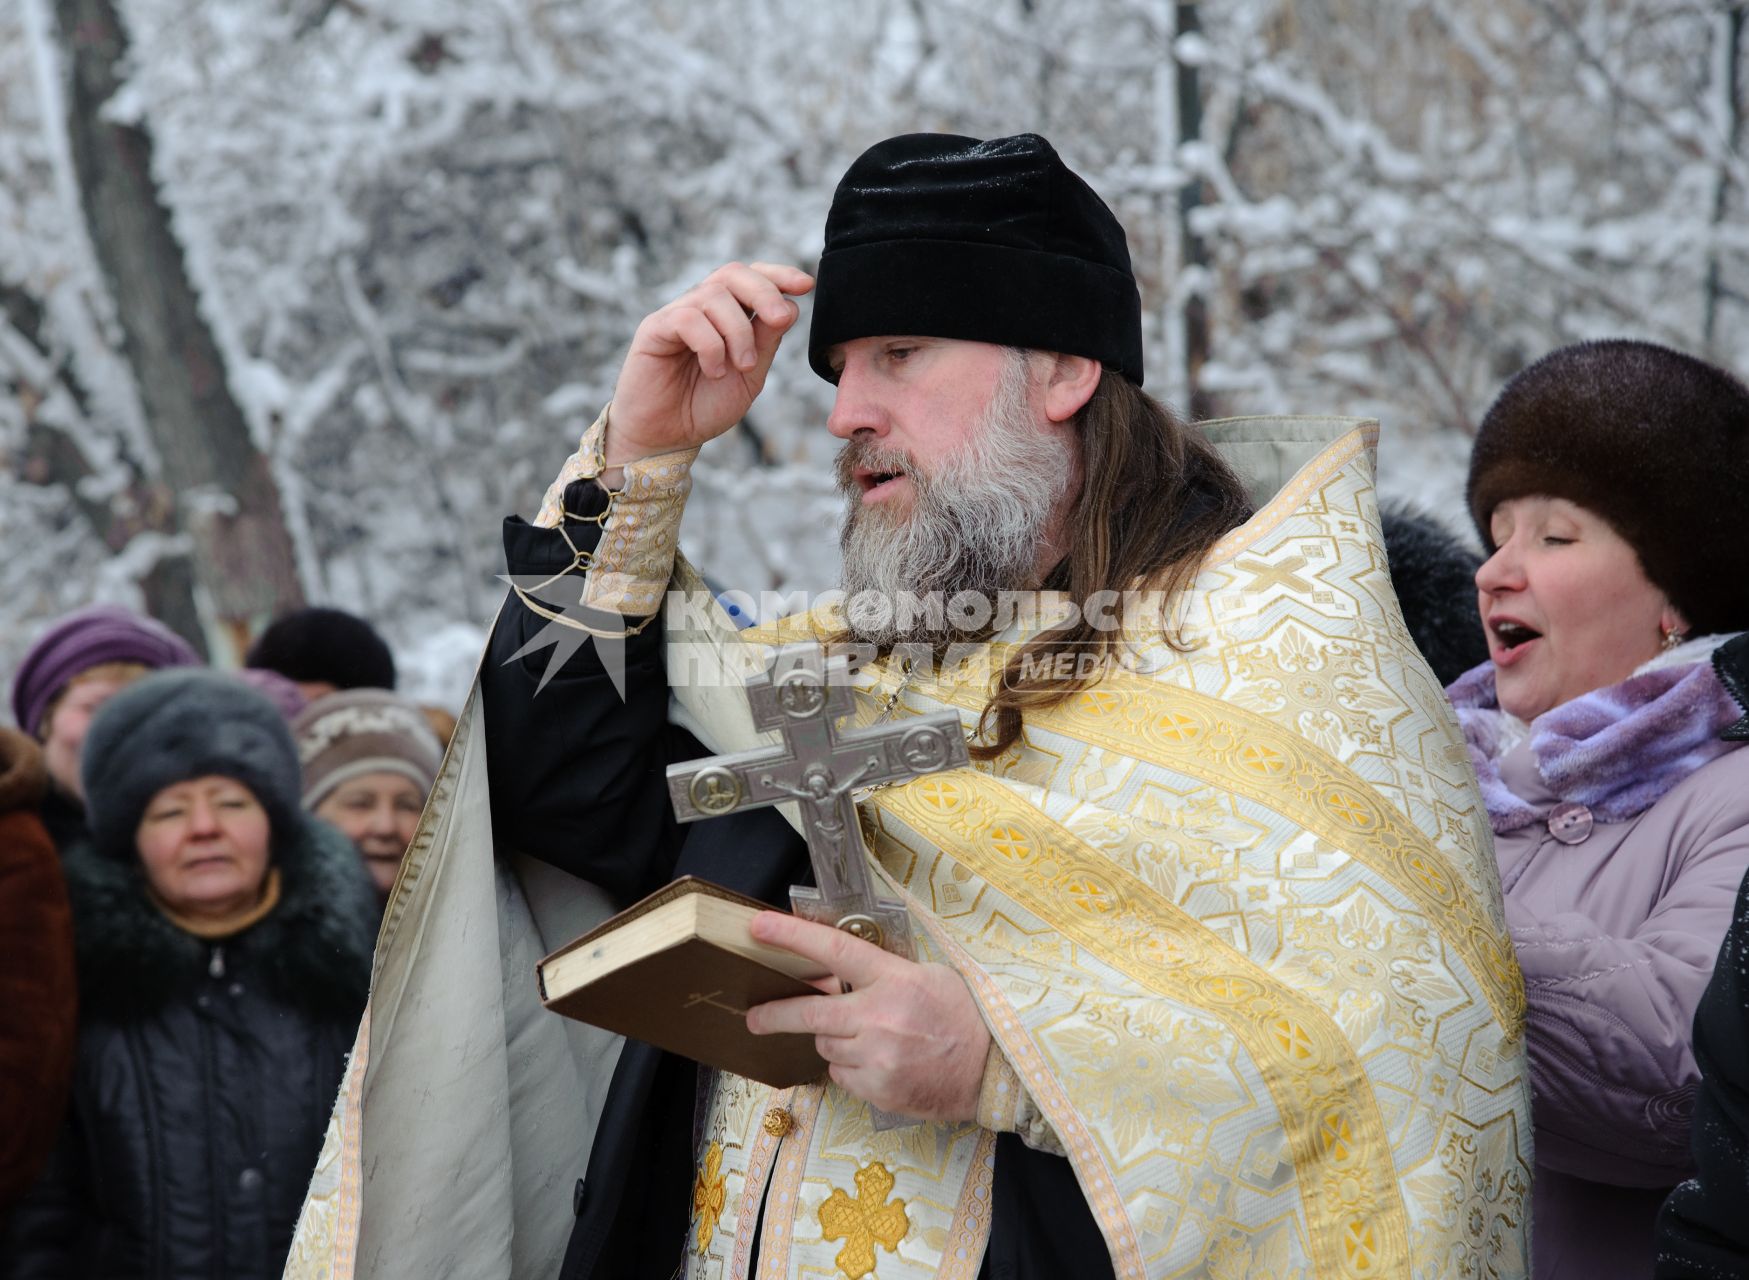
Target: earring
(1672, 638)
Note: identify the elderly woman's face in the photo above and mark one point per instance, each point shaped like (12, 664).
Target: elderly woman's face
(379, 812)
(204, 846)
(1565, 605)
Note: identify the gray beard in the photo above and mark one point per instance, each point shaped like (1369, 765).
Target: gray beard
(975, 527)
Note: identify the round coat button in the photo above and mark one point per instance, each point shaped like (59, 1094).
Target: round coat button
(1570, 823)
(250, 1181)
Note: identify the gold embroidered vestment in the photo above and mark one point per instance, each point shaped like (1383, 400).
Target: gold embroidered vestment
(1232, 919)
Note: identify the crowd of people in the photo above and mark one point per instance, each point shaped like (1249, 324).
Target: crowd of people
(193, 863)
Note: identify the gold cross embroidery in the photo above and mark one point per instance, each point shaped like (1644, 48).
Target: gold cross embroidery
(865, 1221)
(1338, 1137)
(939, 795)
(1285, 575)
(1292, 1038)
(1349, 809)
(1261, 759)
(709, 1195)
(1179, 728)
(1361, 1244)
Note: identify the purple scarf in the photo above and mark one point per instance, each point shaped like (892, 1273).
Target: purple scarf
(1616, 751)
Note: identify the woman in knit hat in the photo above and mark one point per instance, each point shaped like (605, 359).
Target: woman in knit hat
(81, 661)
(224, 941)
(1604, 485)
(369, 760)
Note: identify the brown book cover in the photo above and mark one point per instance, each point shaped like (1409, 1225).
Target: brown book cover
(680, 970)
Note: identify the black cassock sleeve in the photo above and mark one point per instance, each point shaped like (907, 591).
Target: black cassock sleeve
(1703, 1230)
(578, 771)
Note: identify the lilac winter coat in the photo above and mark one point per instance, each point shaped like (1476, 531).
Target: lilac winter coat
(1617, 930)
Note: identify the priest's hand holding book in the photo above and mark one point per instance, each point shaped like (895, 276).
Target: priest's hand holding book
(905, 1037)
(714, 976)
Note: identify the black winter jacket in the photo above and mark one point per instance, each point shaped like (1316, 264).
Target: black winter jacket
(1703, 1230)
(205, 1077)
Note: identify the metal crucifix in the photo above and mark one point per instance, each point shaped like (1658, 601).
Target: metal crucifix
(803, 695)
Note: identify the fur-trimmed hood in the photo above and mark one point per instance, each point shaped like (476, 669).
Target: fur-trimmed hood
(312, 951)
(23, 776)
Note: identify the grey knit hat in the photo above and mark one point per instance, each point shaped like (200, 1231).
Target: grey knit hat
(172, 727)
(345, 735)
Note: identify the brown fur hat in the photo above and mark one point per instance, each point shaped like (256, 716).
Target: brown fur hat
(1654, 441)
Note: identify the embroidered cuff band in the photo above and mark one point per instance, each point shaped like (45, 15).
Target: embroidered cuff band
(629, 569)
(1004, 1106)
(999, 1092)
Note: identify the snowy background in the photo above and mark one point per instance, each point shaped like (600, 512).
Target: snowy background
(419, 232)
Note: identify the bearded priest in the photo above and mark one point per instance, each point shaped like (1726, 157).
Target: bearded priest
(1212, 976)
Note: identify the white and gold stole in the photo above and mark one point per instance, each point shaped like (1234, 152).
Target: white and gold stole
(1231, 914)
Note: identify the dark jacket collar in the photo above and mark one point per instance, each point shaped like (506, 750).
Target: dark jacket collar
(64, 817)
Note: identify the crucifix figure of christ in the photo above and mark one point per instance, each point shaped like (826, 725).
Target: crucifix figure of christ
(802, 694)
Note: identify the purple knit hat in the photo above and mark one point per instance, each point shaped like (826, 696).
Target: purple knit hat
(280, 691)
(84, 639)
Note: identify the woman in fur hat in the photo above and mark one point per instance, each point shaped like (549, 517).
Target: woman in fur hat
(224, 943)
(1603, 483)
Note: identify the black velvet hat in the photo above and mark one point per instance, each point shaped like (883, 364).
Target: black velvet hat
(1654, 441)
(331, 645)
(948, 237)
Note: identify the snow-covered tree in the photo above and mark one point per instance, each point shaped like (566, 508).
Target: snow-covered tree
(422, 231)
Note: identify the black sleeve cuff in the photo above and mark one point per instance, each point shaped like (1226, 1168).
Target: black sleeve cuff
(529, 549)
(531, 552)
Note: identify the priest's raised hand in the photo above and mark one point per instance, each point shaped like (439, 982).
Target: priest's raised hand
(905, 1037)
(696, 365)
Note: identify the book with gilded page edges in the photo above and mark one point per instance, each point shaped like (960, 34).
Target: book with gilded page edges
(679, 970)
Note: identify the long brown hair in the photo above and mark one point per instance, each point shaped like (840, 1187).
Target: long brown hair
(1155, 498)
